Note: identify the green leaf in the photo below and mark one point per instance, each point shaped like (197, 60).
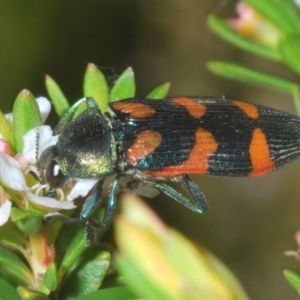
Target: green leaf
(57, 96)
(160, 92)
(140, 234)
(124, 87)
(75, 249)
(72, 243)
(10, 235)
(296, 96)
(137, 280)
(293, 278)
(95, 86)
(289, 48)
(87, 276)
(63, 236)
(6, 130)
(13, 268)
(225, 274)
(221, 27)
(283, 14)
(29, 294)
(50, 280)
(28, 222)
(26, 116)
(246, 75)
(115, 293)
(8, 292)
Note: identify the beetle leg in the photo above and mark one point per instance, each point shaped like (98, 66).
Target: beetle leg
(196, 193)
(58, 216)
(93, 224)
(200, 205)
(111, 203)
(90, 205)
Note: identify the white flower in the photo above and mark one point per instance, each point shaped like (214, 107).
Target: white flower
(12, 176)
(45, 137)
(44, 106)
(5, 207)
(81, 188)
(13, 170)
(12, 173)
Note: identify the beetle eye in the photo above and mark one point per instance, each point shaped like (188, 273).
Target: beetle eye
(54, 177)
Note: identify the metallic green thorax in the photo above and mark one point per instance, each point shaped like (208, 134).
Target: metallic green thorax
(85, 142)
(84, 147)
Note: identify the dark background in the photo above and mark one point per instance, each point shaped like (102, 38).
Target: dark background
(252, 220)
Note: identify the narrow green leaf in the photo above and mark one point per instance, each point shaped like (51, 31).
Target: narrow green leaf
(225, 274)
(57, 96)
(50, 280)
(164, 249)
(28, 222)
(6, 130)
(296, 96)
(14, 268)
(246, 75)
(115, 293)
(7, 291)
(283, 14)
(95, 86)
(87, 276)
(72, 243)
(138, 281)
(221, 27)
(124, 87)
(10, 235)
(29, 294)
(160, 92)
(26, 115)
(289, 48)
(75, 248)
(293, 278)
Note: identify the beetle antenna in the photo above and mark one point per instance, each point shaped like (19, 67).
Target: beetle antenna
(37, 145)
(37, 148)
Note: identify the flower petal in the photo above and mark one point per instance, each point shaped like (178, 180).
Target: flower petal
(11, 174)
(9, 118)
(5, 208)
(48, 202)
(81, 188)
(251, 24)
(5, 147)
(46, 139)
(44, 107)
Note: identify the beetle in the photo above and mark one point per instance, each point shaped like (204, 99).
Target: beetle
(155, 140)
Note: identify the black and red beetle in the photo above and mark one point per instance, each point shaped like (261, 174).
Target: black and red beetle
(154, 140)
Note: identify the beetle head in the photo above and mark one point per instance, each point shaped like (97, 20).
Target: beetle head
(50, 169)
